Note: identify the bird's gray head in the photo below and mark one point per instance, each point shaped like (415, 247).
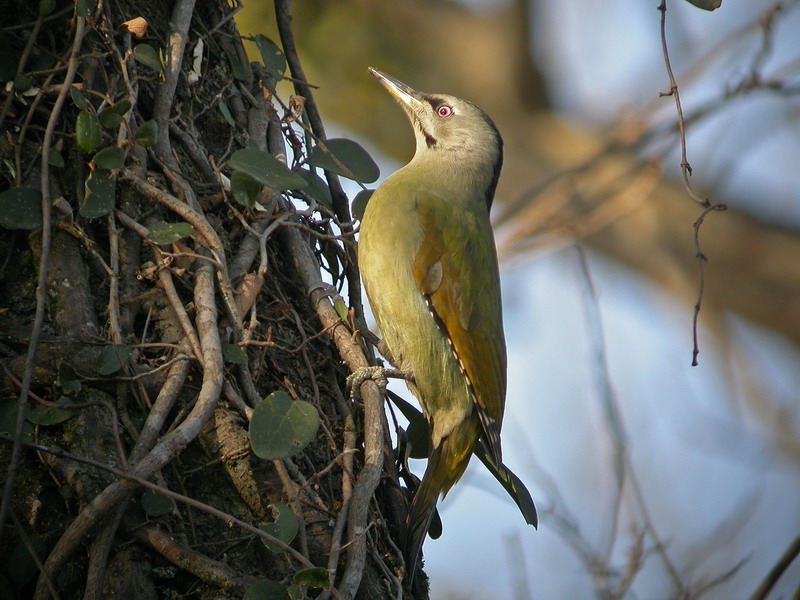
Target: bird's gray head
(450, 132)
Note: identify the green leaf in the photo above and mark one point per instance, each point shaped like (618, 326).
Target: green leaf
(120, 107)
(706, 4)
(273, 57)
(110, 158)
(284, 528)
(146, 134)
(21, 566)
(8, 420)
(148, 56)
(359, 204)
(21, 208)
(237, 68)
(418, 435)
(245, 189)
(317, 188)
(409, 410)
(46, 7)
(168, 233)
(233, 353)
(78, 99)
(50, 415)
(113, 358)
(315, 577)
(22, 83)
(226, 113)
(55, 159)
(266, 169)
(351, 154)
(87, 131)
(68, 378)
(156, 504)
(267, 590)
(296, 592)
(111, 116)
(84, 8)
(100, 196)
(512, 484)
(110, 119)
(281, 427)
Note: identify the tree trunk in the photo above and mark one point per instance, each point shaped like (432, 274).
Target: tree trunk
(131, 369)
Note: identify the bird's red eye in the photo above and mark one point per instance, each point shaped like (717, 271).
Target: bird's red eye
(444, 111)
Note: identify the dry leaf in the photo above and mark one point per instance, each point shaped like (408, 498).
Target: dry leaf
(137, 26)
(296, 106)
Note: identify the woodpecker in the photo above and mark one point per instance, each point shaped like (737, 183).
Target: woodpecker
(429, 264)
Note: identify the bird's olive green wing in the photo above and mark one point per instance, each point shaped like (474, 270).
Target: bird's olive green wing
(455, 268)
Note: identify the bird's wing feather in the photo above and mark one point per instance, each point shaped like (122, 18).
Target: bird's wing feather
(455, 268)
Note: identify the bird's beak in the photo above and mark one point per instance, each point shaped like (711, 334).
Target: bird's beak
(409, 98)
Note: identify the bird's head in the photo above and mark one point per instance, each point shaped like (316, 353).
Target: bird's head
(450, 132)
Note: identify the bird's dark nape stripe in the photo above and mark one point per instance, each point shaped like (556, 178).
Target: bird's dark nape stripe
(498, 165)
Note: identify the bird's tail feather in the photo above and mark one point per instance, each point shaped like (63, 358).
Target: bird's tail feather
(445, 467)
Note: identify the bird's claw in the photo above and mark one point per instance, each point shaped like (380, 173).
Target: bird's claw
(379, 375)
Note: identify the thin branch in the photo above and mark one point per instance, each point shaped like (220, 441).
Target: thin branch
(775, 573)
(686, 171)
(180, 21)
(205, 568)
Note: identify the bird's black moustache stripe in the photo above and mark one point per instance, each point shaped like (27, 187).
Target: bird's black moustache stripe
(429, 139)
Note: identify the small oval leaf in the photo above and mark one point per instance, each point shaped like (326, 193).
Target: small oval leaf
(359, 204)
(112, 358)
(109, 119)
(281, 427)
(46, 7)
(87, 131)
(245, 189)
(168, 233)
(100, 196)
(357, 162)
(316, 577)
(21, 208)
(418, 434)
(156, 504)
(266, 169)
(50, 415)
(68, 378)
(147, 55)
(284, 528)
(273, 57)
(84, 8)
(233, 353)
(146, 134)
(78, 99)
(120, 107)
(267, 590)
(706, 4)
(55, 159)
(237, 67)
(317, 188)
(110, 158)
(20, 565)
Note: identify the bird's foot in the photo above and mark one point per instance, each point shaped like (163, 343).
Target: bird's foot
(380, 375)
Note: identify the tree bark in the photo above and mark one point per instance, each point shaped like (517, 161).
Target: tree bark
(132, 473)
